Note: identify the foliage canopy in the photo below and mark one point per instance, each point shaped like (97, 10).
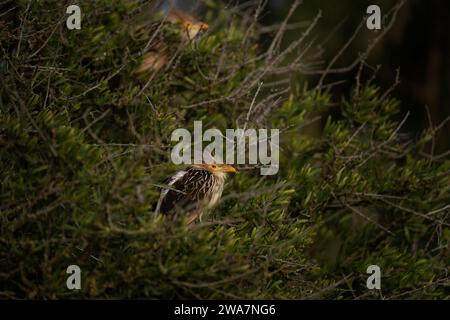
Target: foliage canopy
(85, 146)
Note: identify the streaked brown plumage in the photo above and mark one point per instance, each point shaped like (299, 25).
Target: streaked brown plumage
(194, 191)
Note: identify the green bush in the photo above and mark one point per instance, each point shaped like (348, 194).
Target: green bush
(85, 145)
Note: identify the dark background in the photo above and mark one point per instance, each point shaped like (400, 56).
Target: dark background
(418, 45)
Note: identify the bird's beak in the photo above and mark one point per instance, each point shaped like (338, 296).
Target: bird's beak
(229, 169)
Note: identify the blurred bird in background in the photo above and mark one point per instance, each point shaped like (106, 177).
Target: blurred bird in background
(194, 191)
(191, 26)
(159, 52)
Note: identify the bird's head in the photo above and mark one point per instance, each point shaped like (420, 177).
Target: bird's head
(192, 26)
(217, 168)
(194, 29)
(215, 165)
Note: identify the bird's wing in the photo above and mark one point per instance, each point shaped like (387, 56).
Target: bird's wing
(170, 181)
(187, 193)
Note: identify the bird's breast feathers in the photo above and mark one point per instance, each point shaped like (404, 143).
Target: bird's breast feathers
(216, 194)
(192, 189)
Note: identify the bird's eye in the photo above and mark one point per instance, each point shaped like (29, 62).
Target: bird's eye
(213, 166)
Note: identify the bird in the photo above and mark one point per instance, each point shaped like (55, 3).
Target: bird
(194, 191)
(191, 26)
(159, 54)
